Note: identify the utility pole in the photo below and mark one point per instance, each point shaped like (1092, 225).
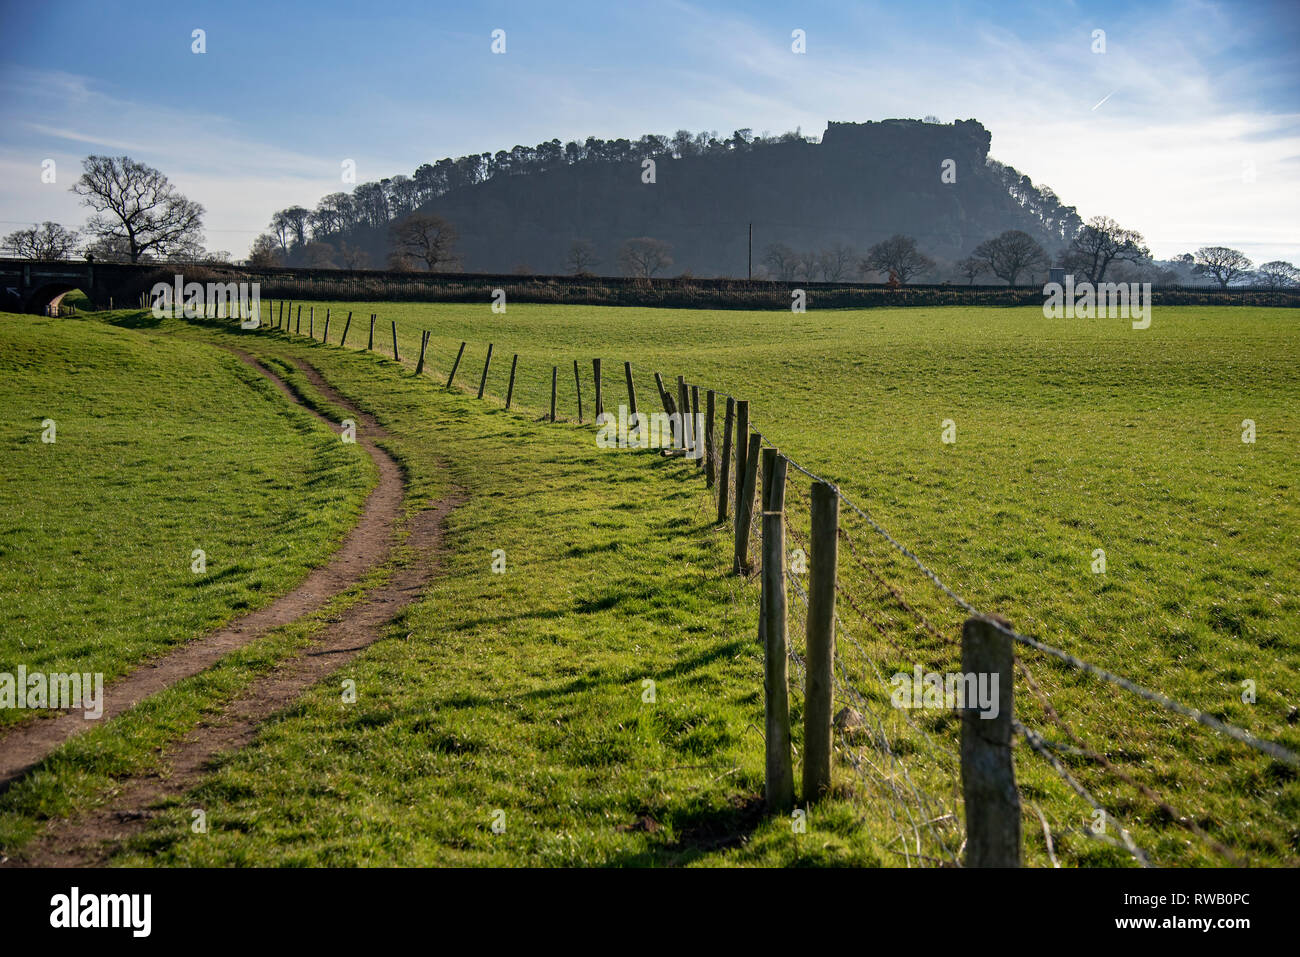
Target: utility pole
(751, 251)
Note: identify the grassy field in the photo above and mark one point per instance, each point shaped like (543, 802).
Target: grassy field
(1072, 436)
(523, 692)
(160, 447)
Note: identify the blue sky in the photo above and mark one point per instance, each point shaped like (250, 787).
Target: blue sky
(1186, 128)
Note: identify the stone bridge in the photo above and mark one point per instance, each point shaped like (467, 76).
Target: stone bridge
(36, 286)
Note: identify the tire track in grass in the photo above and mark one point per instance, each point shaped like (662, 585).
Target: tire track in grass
(92, 837)
(367, 545)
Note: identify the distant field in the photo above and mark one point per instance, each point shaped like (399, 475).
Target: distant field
(1071, 435)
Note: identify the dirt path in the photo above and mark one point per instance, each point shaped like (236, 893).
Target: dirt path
(96, 834)
(367, 545)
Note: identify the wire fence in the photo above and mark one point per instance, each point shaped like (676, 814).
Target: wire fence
(880, 627)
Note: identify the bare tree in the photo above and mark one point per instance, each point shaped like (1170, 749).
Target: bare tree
(1279, 274)
(581, 259)
(835, 262)
(1100, 242)
(808, 265)
(645, 256)
(781, 261)
(112, 249)
(46, 241)
(138, 205)
(1010, 254)
(353, 257)
(426, 238)
(897, 255)
(1223, 264)
(970, 267)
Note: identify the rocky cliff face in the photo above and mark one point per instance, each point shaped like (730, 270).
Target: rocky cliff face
(863, 183)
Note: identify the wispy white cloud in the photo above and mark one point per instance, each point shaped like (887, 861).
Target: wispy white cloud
(1155, 131)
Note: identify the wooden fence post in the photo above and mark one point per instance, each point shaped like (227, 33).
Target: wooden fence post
(634, 420)
(710, 453)
(555, 377)
(600, 400)
(424, 341)
(279, 322)
(395, 359)
(671, 405)
(684, 406)
(325, 336)
(779, 789)
(455, 365)
(724, 464)
(822, 568)
(742, 441)
(510, 392)
(988, 774)
(482, 383)
(311, 322)
(697, 438)
(297, 323)
(745, 503)
(370, 342)
(346, 326)
(577, 383)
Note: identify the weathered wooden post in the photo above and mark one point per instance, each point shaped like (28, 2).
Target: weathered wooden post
(297, 323)
(482, 383)
(577, 384)
(346, 326)
(670, 406)
(311, 322)
(742, 442)
(710, 453)
(455, 365)
(697, 439)
(724, 464)
(745, 503)
(370, 342)
(424, 341)
(510, 392)
(988, 774)
(634, 420)
(325, 336)
(395, 358)
(822, 568)
(555, 377)
(600, 401)
(279, 322)
(779, 789)
(684, 404)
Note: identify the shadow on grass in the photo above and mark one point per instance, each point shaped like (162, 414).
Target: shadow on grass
(699, 832)
(144, 319)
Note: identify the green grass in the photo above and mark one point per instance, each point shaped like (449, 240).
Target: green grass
(522, 691)
(160, 447)
(1072, 436)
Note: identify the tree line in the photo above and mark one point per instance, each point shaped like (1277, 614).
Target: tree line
(1094, 251)
(376, 204)
(138, 215)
